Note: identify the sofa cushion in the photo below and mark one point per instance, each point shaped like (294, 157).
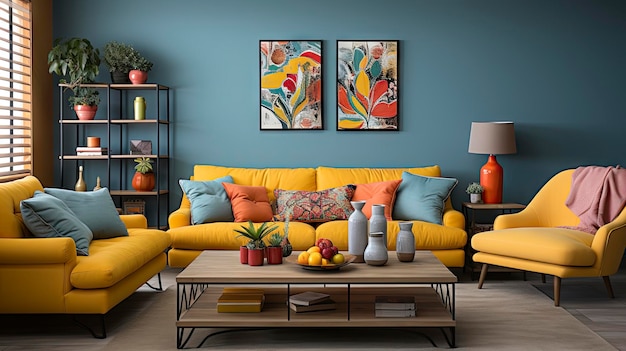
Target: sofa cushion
(560, 246)
(209, 201)
(314, 206)
(422, 198)
(46, 217)
(94, 208)
(377, 193)
(112, 260)
(249, 203)
(331, 177)
(270, 178)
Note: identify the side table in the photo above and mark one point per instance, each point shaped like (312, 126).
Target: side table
(471, 227)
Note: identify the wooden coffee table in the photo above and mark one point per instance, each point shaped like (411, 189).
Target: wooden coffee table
(352, 287)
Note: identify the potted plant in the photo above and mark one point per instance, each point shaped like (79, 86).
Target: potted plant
(118, 58)
(85, 102)
(286, 245)
(77, 60)
(255, 246)
(475, 190)
(143, 180)
(275, 249)
(139, 68)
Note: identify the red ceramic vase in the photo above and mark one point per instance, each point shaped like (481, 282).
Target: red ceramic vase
(137, 77)
(85, 112)
(274, 255)
(255, 257)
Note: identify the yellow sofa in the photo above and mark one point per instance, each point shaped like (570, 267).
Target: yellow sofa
(188, 241)
(45, 275)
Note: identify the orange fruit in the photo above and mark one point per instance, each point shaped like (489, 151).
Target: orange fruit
(338, 258)
(325, 262)
(313, 249)
(315, 259)
(303, 258)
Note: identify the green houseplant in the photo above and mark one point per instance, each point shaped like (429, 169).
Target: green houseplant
(118, 57)
(77, 62)
(275, 249)
(143, 180)
(255, 247)
(475, 191)
(139, 68)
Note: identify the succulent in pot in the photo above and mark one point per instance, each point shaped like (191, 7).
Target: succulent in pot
(118, 57)
(475, 190)
(143, 180)
(85, 102)
(275, 249)
(140, 66)
(255, 245)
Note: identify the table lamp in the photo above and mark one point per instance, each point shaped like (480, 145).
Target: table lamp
(492, 138)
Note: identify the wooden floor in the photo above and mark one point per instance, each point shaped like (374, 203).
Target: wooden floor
(584, 298)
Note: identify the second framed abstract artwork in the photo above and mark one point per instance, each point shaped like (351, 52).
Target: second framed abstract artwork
(367, 85)
(291, 84)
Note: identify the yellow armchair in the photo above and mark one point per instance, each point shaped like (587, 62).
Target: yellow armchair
(533, 240)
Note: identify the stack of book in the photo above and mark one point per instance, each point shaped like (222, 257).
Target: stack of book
(309, 301)
(395, 306)
(241, 300)
(91, 151)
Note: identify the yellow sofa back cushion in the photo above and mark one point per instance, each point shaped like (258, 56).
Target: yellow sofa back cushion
(329, 177)
(10, 196)
(270, 178)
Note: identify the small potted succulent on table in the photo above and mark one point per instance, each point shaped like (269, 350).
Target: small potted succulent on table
(255, 248)
(275, 249)
(475, 191)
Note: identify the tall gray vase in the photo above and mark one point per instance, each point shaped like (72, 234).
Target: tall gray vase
(405, 242)
(378, 222)
(357, 232)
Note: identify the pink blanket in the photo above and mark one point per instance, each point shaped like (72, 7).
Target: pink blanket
(597, 195)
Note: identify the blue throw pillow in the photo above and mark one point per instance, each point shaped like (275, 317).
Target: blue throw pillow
(422, 198)
(94, 208)
(48, 217)
(209, 200)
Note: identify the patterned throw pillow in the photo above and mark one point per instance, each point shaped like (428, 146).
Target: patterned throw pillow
(314, 206)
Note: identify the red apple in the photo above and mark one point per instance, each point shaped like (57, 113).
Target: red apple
(335, 249)
(328, 253)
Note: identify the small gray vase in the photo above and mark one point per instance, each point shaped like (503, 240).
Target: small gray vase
(405, 242)
(357, 232)
(378, 222)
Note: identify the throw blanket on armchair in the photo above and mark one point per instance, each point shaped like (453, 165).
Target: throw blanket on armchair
(597, 195)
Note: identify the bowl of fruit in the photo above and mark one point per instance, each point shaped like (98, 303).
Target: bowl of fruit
(323, 256)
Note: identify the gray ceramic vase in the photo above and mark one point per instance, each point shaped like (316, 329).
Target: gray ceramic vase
(378, 222)
(357, 232)
(405, 242)
(376, 252)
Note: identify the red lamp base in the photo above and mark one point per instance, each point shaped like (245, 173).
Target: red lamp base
(491, 180)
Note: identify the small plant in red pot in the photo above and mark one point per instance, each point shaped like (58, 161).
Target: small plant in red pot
(85, 103)
(140, 67)
(255, 245)
(275, 250)
(143, 180)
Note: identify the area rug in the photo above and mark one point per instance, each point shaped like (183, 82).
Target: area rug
(504, 315)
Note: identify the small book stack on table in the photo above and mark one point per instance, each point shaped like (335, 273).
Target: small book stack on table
(309, 301)
(395, 306)
(241, 300)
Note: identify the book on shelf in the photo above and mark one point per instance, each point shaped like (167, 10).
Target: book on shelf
(308, 298)
(325, 305)
(395, 313)
(399, 302)
(241, 300)
(91, 151)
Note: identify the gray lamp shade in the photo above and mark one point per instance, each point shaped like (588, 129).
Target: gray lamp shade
(492, 138)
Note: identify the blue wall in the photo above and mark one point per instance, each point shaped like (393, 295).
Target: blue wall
(555, 68)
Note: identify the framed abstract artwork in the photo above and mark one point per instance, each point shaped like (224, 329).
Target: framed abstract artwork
(291, 84)
(367, 85)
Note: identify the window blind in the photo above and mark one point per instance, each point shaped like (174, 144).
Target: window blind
(15, 89)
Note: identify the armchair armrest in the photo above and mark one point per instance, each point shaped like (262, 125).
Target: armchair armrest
(36, 251)
(180, 218)
(134, 221)
(524, 218)
(453, 218)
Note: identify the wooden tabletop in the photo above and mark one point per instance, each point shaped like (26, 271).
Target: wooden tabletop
(223, 267)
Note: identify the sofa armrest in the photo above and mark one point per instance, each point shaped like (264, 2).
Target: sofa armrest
(453, 218)
(134, 221)
(525, 218)
(35, 251)
(180, 218)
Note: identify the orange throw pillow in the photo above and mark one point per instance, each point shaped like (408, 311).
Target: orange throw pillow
(250, 203)
(383, 193)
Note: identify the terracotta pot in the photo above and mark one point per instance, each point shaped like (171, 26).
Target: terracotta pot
(274, 255)
(143, 182)
(243, 255)
(85, 112)
(137, 77)
(255, 257)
